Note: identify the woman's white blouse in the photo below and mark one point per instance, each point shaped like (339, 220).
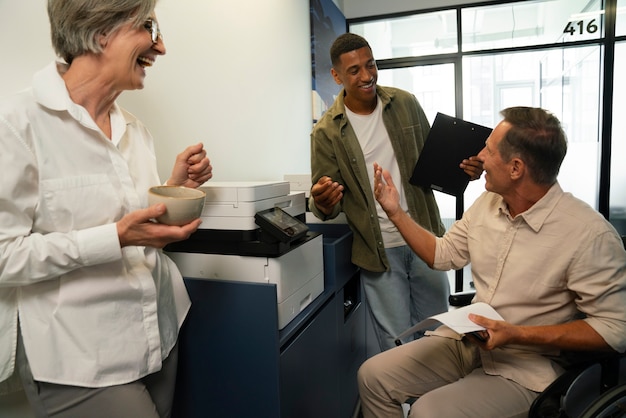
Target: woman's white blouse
(91, 313)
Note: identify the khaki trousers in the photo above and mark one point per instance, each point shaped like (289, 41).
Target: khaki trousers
(444, 377)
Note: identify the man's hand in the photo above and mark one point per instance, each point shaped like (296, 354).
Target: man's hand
(385, 191)
(192, 168)
(326, 194)
(473, 167)
(575, 335)
(421, 241)
(496, 334)
(137, 228)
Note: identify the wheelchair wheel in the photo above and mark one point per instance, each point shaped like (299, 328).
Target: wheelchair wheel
(612, 404)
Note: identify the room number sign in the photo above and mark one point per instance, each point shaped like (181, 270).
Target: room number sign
(579, 28)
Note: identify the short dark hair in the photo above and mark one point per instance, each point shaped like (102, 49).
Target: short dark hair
(536, 137)
(346, 43)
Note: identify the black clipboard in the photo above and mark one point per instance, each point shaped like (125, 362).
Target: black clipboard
(450, 141)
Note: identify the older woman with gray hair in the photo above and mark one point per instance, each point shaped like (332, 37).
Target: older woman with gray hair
(90, 306)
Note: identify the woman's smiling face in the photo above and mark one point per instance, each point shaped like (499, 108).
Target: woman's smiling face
(129, 51)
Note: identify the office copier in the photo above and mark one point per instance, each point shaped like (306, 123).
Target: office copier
(254, 232)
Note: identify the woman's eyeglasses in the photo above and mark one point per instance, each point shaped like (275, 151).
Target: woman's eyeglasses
(153, 27)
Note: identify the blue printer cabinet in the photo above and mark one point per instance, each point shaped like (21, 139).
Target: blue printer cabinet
(234, 362)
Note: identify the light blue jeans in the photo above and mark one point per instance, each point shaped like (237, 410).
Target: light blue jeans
(408, 293)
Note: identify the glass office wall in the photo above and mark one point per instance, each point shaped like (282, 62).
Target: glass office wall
(546, 53)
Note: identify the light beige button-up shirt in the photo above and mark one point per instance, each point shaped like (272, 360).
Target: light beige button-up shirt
(543, 267)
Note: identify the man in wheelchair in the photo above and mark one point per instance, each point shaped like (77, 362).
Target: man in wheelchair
(539, 256)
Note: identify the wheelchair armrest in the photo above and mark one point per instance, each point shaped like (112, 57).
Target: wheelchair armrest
(461, 298)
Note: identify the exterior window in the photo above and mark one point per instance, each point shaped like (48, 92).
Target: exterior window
(620, 28)
(617, 199)
(416, 35)
(530, 23)
(564, 81)
(432, 85)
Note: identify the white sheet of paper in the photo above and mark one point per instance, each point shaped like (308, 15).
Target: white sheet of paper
(458, 319)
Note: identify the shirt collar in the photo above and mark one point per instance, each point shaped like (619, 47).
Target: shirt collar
(50, 91)
(339, 110)
(49, 88)
(537, 214)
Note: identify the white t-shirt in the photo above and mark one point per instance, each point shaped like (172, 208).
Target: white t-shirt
(376, 146)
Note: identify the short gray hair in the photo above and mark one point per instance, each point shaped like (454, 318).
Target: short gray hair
(75, 25)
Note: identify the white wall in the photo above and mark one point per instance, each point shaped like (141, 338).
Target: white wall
(236, 76)
(25, 42)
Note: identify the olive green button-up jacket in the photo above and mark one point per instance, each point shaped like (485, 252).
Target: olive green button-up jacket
(336, 152)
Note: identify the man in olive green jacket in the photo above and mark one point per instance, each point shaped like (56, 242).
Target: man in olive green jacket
(366, 124)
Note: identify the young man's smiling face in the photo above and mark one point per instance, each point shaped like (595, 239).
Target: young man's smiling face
(358, 73)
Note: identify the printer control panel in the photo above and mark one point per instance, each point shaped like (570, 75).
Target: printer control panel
(280, 225)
